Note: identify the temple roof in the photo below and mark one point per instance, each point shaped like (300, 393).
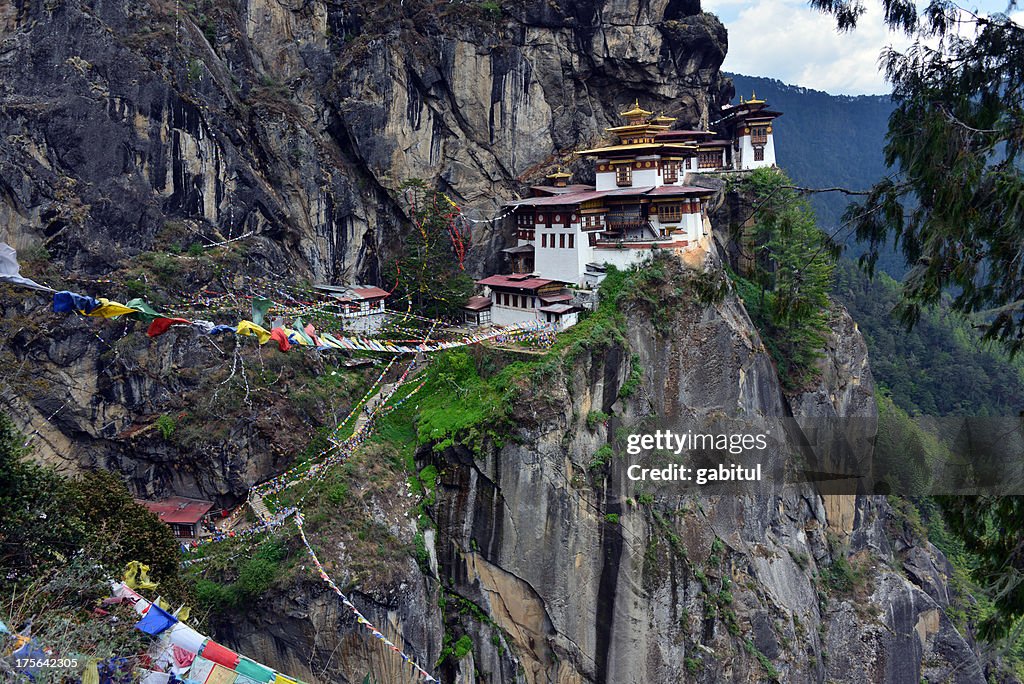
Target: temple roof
(636, 110)
(576, 198)
(516, 281)
(178, 509)
(477, 303)
(637, 147)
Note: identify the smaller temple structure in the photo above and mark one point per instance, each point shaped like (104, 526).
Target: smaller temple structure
(361, 306)
(522, 298)
(183, 515)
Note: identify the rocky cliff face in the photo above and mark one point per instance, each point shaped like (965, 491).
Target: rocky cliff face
(559, 573)
(297, 123)
(130, 128)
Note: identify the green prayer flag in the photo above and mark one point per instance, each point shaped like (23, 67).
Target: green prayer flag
(260, 307)
(145, 311)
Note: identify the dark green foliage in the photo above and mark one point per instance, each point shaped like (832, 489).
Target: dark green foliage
(255, 576)
(46, 520)
(955, 206)
(992, 531)
(787, 291)
(61, 540)
(939, 368)
(428, 270)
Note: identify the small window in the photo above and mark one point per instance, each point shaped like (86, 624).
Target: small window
(543, 239)
(572, 241)
(758, 154)
(623, 174)
(670, 172)
(561, 240)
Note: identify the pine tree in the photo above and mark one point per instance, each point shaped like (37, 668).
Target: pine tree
(429, 271)
(954, 203)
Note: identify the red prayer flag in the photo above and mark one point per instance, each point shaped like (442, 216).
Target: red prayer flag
(281, 337)
(160, 325)
(219, 654)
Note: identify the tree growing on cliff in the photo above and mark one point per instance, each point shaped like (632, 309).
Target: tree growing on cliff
(786, 292)
(429, 270)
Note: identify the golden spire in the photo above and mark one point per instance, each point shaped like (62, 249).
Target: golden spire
(636, 111)
(753, 99)
(559, 173)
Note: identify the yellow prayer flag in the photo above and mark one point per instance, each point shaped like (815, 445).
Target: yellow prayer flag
(109, 309)
(281, 679)
(136, 576)
(221, 675)
(250, 328)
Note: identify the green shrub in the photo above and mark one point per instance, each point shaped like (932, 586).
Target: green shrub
(595, 418)
(612, 518)
(166, 425)
(463, 646)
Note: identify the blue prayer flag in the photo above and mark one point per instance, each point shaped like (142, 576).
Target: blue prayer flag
(155, 621)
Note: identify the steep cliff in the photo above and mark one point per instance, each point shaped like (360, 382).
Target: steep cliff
(545, 561)
(132, 131)
(296, 123)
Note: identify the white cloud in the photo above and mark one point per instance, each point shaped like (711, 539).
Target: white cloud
(787, 40)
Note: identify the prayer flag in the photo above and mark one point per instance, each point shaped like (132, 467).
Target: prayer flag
(143, 311)
(10, 271)
(250, 328)
(254, 670)
(260, 306)
(160, 325)
(219, 654)
(66, 302)
(155, 621)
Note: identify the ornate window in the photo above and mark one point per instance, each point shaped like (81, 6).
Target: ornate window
(624, 174)
(670, 213)
(670, 172)
(710, 160)
(758, 154)
(759, 135)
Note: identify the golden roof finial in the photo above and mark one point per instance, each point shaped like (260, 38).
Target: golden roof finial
(741, 100)
(753, 98)
(637, 111)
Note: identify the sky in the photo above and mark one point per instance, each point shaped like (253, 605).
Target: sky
(789, 41)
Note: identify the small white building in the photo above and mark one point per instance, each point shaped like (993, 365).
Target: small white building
(522, 298)
(360, 306)
(749, 126)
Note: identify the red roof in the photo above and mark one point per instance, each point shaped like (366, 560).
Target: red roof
(516, 281)
(680, 190)
(478, 303)
(370, 292)
(179, 510)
